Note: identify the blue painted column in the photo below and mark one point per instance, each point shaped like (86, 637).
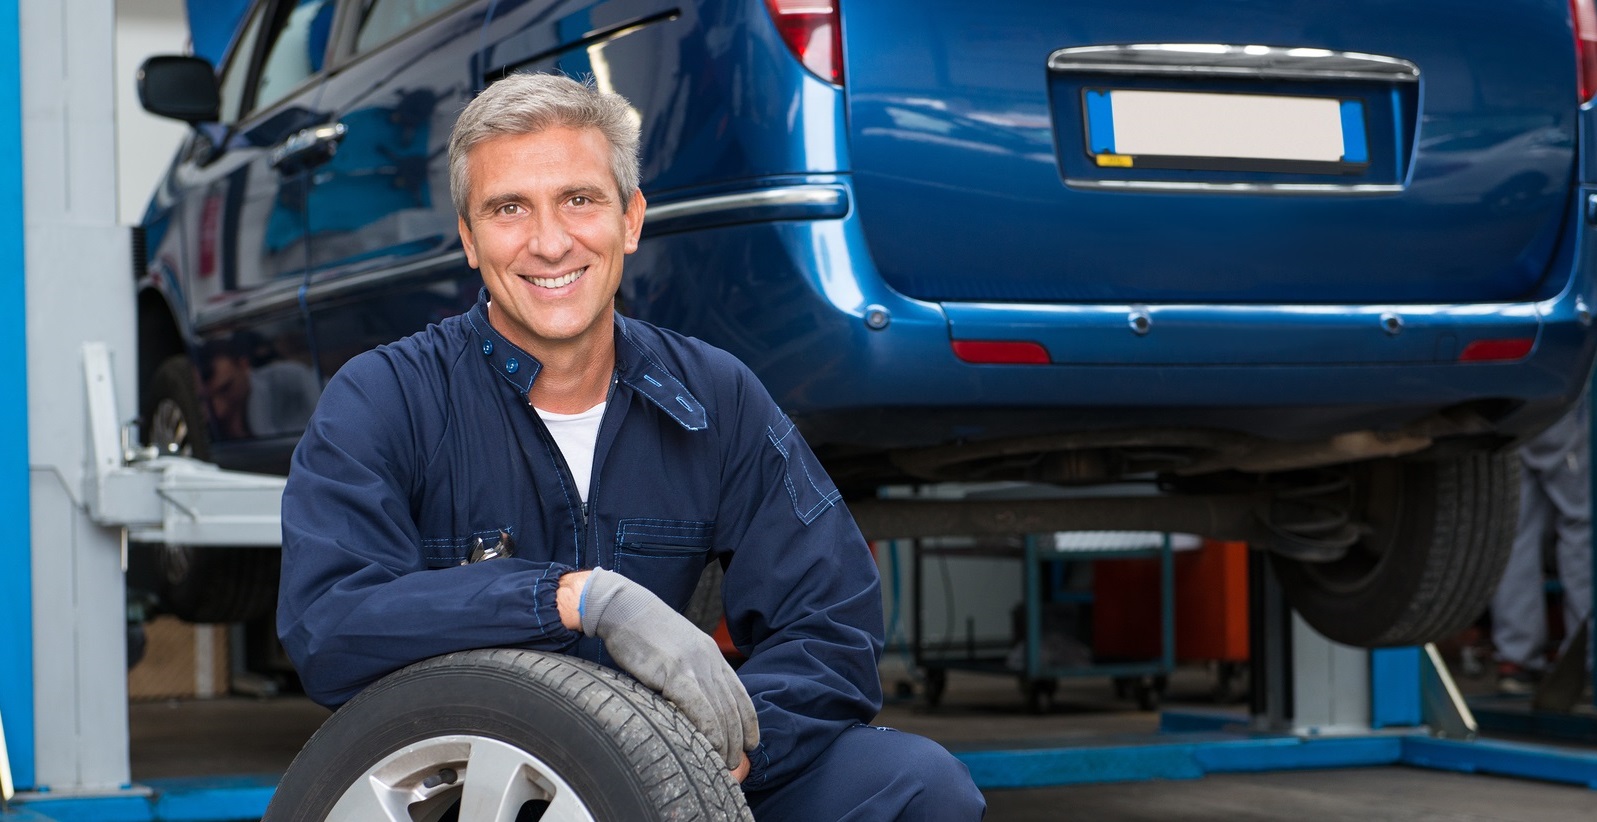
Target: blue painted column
(1395, 688)
(16, 582)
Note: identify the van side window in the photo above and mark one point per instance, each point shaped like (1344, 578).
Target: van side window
(296, 51)
(386, 19)
(237, 70)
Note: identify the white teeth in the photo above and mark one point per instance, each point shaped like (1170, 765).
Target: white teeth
(556, 282)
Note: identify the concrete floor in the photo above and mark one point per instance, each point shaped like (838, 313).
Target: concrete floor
(241, 735)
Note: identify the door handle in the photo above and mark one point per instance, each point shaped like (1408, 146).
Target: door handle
(308, 147)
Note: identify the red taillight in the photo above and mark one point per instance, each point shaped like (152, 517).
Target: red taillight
(1584, 15)
(1001, 352)
(1496, 350)
(811, 30)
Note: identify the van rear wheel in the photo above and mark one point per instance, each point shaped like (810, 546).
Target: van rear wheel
(1435, 539)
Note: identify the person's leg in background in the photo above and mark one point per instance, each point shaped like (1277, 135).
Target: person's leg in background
(1519, 609)
(1568, 487)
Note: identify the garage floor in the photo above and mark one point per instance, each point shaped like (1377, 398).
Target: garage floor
(241, 735)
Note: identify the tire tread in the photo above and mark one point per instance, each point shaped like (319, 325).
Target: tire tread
(680, 770)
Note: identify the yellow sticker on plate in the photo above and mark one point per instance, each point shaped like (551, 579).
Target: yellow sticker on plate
(1113, 160)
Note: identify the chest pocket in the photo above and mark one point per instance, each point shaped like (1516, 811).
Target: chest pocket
(664, 555)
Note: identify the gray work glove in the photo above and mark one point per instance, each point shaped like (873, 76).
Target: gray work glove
(669, 654)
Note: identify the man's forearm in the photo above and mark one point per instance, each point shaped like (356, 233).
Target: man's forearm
(346, 637)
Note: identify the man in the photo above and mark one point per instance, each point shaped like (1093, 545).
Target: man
(1554, 502)
(616, 458)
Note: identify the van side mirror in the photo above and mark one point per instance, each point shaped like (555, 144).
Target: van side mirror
(180, 87)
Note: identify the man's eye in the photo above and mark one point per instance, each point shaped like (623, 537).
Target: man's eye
(509, 208)
(580, 200)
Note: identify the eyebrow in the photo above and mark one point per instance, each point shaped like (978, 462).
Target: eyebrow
(592, 192)
(493, 203)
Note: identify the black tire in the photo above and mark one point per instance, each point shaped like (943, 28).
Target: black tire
(621, 751)
(1149, 692)
(201, 584)
(138, 643)
(704, 607)
(1439, 536)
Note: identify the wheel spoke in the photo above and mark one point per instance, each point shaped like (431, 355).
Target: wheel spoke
(498, 781)
(367, 800)
(566, 807)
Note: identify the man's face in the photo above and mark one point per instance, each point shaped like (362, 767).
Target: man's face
(549, 235)
(228, 389)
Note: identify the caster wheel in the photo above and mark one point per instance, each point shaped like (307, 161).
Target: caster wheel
(1039, 694)
(936, 683)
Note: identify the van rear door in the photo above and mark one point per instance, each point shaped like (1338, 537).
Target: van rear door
(1018, 151)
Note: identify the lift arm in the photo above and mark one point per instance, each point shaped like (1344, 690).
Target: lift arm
(167, 498)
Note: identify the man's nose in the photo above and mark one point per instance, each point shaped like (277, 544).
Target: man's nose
(550, 237)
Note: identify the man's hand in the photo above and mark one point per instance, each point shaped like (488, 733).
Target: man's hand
(666, 652)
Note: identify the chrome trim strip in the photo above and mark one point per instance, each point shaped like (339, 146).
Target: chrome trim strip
(1217, 60)
(332, 285)
(285, 294)
(275, 296)
(1234, 188)
(802, 195)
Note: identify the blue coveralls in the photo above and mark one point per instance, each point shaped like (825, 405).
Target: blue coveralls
(419, 447)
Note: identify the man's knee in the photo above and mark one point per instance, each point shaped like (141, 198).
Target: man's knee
(945, 789)
(872, 773)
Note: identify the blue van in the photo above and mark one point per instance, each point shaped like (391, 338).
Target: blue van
(1307, 270)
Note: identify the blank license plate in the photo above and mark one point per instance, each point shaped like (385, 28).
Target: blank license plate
(1175, 129)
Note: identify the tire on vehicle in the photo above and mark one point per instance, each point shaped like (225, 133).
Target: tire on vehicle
(507, 735)
(1439, 535)
(200, 584)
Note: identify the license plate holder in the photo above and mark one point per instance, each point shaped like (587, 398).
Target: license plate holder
(1225, 131)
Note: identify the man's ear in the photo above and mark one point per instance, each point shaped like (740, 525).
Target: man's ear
(634, 217)
(468, 242)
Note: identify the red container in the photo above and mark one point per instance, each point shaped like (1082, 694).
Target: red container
(1211, 598)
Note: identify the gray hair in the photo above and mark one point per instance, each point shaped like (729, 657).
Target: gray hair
(530, 103)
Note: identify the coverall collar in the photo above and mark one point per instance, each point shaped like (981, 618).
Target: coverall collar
(636, 367)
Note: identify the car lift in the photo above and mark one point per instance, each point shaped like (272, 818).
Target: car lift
(72, 494)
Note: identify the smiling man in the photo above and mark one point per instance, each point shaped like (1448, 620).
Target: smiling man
(607, 461)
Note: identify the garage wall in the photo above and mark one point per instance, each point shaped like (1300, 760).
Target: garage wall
(145, 143)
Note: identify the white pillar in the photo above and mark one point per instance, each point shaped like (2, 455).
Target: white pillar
(1330, 684)
(79, 287)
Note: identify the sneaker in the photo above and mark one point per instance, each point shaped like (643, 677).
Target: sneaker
(1516, 680)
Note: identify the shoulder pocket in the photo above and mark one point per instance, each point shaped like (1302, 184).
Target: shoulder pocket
(808, 485)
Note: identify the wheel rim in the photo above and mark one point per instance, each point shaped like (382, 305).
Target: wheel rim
(169, 432)
(169, 429)
(486, 779)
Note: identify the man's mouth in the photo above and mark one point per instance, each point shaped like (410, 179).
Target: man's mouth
(557, 282)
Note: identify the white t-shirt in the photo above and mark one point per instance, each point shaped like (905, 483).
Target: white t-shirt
(576, 435)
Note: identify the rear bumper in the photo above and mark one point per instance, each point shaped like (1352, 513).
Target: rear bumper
(790, 298)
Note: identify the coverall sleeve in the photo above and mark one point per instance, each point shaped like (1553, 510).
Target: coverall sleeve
(357, 600)
(802, 595)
